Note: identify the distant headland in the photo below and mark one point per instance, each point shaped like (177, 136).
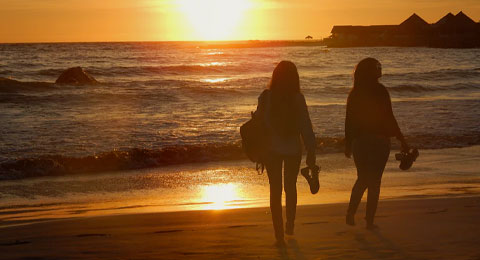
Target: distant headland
(451, 31)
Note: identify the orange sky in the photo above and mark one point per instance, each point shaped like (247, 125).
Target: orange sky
(177, 20)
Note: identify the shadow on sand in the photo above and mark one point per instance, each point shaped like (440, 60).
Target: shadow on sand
(385, 249)
(292, 246)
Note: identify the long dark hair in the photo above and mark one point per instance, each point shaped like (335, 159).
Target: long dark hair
(284, 86)
(366, 75)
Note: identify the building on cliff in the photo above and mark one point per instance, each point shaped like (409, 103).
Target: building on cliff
(451, 31)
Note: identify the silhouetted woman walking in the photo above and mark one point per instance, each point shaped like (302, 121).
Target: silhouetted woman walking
(369, 124)
(286, 120)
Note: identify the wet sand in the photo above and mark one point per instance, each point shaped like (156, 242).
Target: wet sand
(452, 172)
(440, 228)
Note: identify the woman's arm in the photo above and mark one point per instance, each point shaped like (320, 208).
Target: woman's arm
(393, 127)
(261, 104)
(306, 130)
(348, 128)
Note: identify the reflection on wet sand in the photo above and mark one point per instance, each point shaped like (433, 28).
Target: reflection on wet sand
(221, 196)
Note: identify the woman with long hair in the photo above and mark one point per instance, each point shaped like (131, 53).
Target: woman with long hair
(286, 121)
(369, 124)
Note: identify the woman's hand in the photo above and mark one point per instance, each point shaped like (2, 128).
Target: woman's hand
(348, 152)
(405, 146)
(311, 158)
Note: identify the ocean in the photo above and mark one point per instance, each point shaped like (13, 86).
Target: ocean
(171, 104)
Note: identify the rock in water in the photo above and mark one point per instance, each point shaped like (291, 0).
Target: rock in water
(75, 76)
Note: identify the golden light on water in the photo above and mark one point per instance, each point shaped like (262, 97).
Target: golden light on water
(214, 63)
(214, 19)
(220, 196)
(216, 80)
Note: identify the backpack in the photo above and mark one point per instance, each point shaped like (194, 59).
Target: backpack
(254, 139)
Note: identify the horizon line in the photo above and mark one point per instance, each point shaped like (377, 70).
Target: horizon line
(171, 41)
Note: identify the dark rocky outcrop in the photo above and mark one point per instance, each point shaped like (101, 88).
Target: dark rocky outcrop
(75, 76)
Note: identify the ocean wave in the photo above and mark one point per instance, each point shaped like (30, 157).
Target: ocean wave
(117, 160)
(132, 71)
(139, 158)
(76, 98)
(228, 85)
(311, 66)
(206, 89)
(224, 81)
(167, 70)
(436, 75)
(6, 72)
(49, 72)
(427, 76)
(399, 89)
(12, 86)
(418, 88)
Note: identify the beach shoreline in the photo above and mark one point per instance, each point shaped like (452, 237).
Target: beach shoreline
(451, 172)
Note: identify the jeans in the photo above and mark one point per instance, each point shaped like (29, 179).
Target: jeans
(370, 154)
(291, 165)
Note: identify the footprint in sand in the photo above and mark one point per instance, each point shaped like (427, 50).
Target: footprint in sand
(314, 223)
(437, 211)
(92, 235)
(168, 231)
(240, 226)
(14, 243)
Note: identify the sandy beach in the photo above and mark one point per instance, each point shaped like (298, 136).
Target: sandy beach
(225, 185)
(429, 212)
(442, 228)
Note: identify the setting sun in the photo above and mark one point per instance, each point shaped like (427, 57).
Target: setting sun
(214, 19)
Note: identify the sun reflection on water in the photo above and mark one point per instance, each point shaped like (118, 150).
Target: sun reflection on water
(213, 64)
(220, 196)
(215, 80)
